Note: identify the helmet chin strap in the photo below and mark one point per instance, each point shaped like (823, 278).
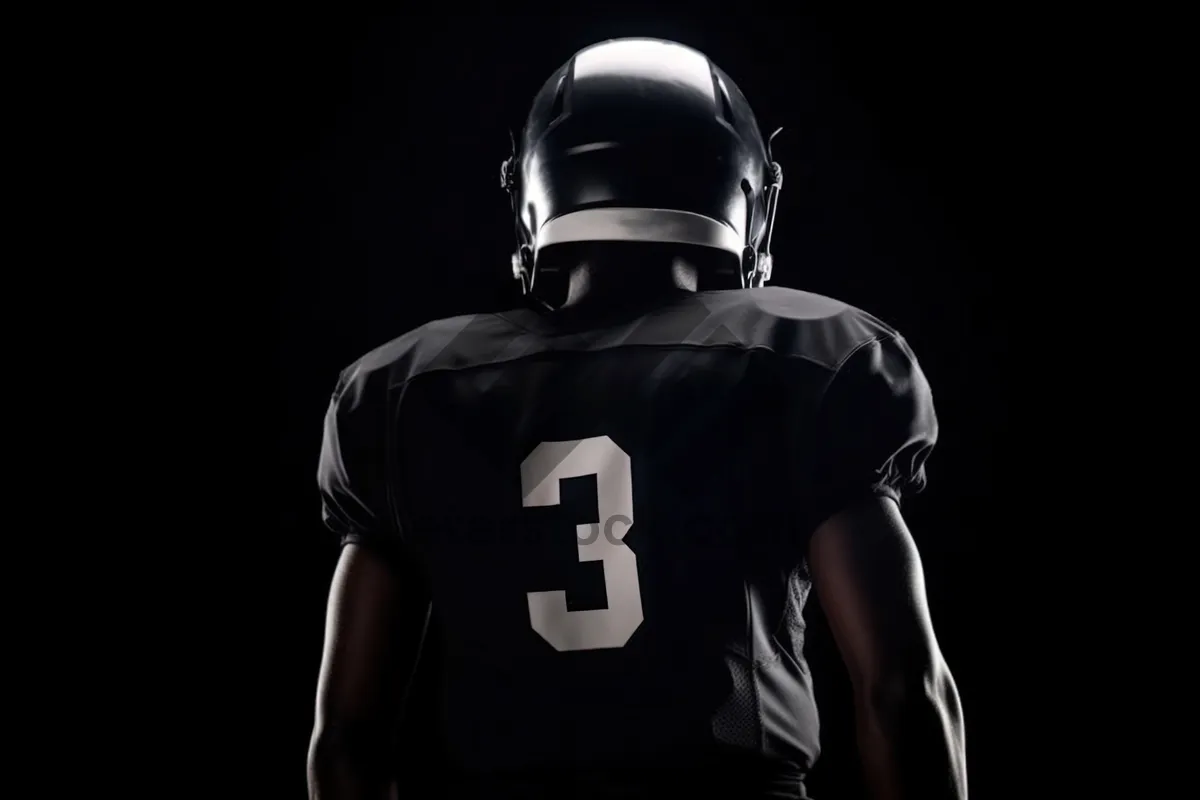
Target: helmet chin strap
(522, 257)
(522, 267)
(757, 263)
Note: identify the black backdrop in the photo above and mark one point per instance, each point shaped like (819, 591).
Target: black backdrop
(898, 159)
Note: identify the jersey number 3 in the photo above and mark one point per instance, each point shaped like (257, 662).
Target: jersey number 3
(541, 473)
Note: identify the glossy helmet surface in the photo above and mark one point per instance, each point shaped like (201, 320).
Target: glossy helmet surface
(642, 140)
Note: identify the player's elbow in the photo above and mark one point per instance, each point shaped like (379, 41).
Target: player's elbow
(894, 693)
(911, 732)
(339, 750)
(345, 764)
(325, 753)
(334, 741)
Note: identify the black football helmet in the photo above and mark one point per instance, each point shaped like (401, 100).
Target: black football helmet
(642, 140)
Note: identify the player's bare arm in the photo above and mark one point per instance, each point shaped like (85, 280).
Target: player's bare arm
(869, 578)
(361, 680)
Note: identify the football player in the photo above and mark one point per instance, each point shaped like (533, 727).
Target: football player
(613, 503)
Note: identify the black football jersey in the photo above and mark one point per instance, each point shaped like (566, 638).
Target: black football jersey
(613, 514)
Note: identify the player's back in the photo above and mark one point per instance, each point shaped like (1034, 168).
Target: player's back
(613, 516)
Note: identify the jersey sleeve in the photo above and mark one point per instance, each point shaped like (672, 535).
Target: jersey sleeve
(876, 427)
(352, 473)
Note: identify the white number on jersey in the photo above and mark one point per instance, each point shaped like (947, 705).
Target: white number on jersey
(541, 472)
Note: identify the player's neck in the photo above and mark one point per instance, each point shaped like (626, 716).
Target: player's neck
(613, 286)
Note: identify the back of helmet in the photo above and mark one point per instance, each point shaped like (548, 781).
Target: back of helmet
(642, 140)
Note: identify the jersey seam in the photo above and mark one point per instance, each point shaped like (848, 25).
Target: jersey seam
(787, 604)
(750, 349)
(760, 727)
(389, 426)
(837, 369)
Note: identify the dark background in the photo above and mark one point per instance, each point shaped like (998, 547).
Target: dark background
(899, 152)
